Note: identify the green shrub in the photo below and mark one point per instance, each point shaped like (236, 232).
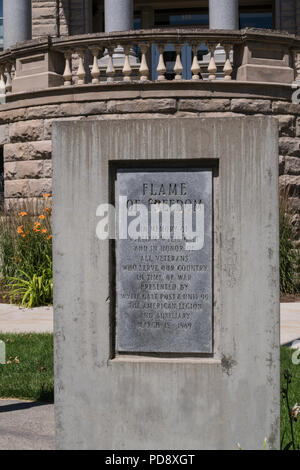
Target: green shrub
(26, 256)
(32, 290)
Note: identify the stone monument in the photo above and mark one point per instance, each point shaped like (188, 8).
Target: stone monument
(166, 283)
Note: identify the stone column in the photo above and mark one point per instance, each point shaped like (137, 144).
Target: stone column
(16, 21)
(224, 14)
(118, 15)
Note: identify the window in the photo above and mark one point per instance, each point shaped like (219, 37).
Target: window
(259, 16)
(182, 17)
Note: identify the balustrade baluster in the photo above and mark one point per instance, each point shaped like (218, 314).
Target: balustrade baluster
(212, 68)
(67, 72)
(195, 69)
(127, 70)
(81, 73)
(178, 68)
(161, 68)
(227, 66)
(144, 69)
(95, 72)
(110, 70)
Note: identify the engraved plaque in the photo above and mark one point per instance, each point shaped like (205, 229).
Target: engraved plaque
(164, 261)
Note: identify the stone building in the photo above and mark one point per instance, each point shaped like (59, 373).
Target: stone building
(124, 59)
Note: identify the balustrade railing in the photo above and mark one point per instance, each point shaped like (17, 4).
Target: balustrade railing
(144, 56)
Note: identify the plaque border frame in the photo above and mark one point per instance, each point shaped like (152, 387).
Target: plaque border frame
(153, 165)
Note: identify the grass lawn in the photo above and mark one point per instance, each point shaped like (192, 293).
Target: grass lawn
(29, 374)
(29, 371)
(294, 396)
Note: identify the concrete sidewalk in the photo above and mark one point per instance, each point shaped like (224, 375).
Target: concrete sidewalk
(26, 425)
(14, 319)
(289, 322)
(30, 425)
(19, 320)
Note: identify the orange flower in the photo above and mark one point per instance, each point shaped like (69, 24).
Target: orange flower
(36, 229)
(49, 238)
(37, 224)
(48, 209)
(47, 195)
(44, 230)
(23, 213)
(20, 229)
(23, 235)
(42, 216)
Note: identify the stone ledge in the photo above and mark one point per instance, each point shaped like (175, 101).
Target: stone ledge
(283, 107)
(213, 104)
(149, 105)
(142, 106)
(66, 109)
(251, 106)
(137, 90)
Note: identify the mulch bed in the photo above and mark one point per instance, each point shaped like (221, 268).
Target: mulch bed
(289, 298)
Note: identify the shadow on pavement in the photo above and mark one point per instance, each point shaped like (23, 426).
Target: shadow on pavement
(290, 343)
(21, 406)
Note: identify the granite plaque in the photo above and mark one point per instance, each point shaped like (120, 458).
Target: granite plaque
(164, 261)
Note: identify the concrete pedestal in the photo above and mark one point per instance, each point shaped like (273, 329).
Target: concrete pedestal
(108, 400)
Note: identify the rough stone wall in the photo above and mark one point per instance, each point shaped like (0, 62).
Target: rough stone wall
(64, 18)
(44, 18)
(26, 134)
(60, 18)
